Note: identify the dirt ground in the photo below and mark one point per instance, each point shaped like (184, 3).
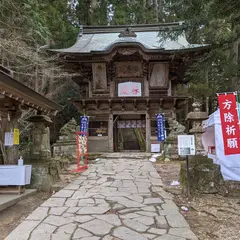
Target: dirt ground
(11, 217)
(211, 217)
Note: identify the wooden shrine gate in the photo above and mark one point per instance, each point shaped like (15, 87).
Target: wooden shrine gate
(129, 134)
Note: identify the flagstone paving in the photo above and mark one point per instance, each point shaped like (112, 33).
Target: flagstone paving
(117, 198)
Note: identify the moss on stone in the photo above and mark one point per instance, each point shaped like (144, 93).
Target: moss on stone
(205, 177)
(160, 158)
(93, 156)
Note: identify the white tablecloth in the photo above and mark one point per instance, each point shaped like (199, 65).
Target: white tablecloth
(15, 175)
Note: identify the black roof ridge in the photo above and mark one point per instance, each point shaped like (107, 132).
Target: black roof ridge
(7, 81)
(134, 28)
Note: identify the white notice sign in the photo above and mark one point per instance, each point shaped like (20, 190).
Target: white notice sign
(8, 139)
(186, 145)
(155, 148)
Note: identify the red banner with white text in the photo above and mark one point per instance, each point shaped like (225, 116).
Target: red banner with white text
(229, 119)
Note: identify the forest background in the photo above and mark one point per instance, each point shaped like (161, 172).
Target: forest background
(27, 27)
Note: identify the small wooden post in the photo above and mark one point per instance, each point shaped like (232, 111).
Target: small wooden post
(12, 153)
(148, 133)
(146, 87)
(110, 132)
(188, 177)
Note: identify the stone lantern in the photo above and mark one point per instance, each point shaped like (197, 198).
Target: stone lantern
(172, 140)
(205, 176)
(196, 117)
(40, 137)
(45, 170)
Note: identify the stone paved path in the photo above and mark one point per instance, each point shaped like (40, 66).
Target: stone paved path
(114, 199)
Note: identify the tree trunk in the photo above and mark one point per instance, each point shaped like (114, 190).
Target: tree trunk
(93, 4)
(207, 98)
(155, 8)
(91, 8)
(235, 79)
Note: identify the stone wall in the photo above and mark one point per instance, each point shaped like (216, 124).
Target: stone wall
(66, 148)
(205, 176)
(66, 145)
(98, 144)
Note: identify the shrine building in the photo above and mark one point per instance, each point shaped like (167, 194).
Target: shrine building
(16, 98)
(128, 74)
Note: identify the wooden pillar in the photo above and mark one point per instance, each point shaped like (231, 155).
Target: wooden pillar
(170, 88)
(146, 87)
(89, 89)
(110, 133)
(148, 133)
(12, 153)
(112, 89)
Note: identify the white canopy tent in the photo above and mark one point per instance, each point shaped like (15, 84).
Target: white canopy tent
(212, 137)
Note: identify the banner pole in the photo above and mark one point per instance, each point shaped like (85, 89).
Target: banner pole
(238, 107)
(225, 93)
(188, 177)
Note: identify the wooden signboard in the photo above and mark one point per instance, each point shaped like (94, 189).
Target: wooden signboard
(99, 77)
(130, 89)
(159, 75)
(128, 69)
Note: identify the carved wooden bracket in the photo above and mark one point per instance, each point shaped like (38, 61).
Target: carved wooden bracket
(123, 107)
(131, 54)
(135, 104)
(110, 105)
(85, 72)
(84, 105)
(148, 104)
(111, 71)
(174, 102)
(145, 67)
(97, 105)
(161, 102)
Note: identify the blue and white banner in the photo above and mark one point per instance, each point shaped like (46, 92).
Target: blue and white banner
(84, 124)
(161, 133)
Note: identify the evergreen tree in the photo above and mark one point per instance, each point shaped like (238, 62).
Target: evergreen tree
(133, 12)
(214, 22)
(25, 27)
(124, 12)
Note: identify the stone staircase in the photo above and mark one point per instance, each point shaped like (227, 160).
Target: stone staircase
(128, 155)
(130, 141)
(141, 138)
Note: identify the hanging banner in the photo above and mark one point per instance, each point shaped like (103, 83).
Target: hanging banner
(82, 148)
(160, 127)
(16, 136)
(84, 124)
(128, 124)
(229, 120)
(139, 123)
(131, 124)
